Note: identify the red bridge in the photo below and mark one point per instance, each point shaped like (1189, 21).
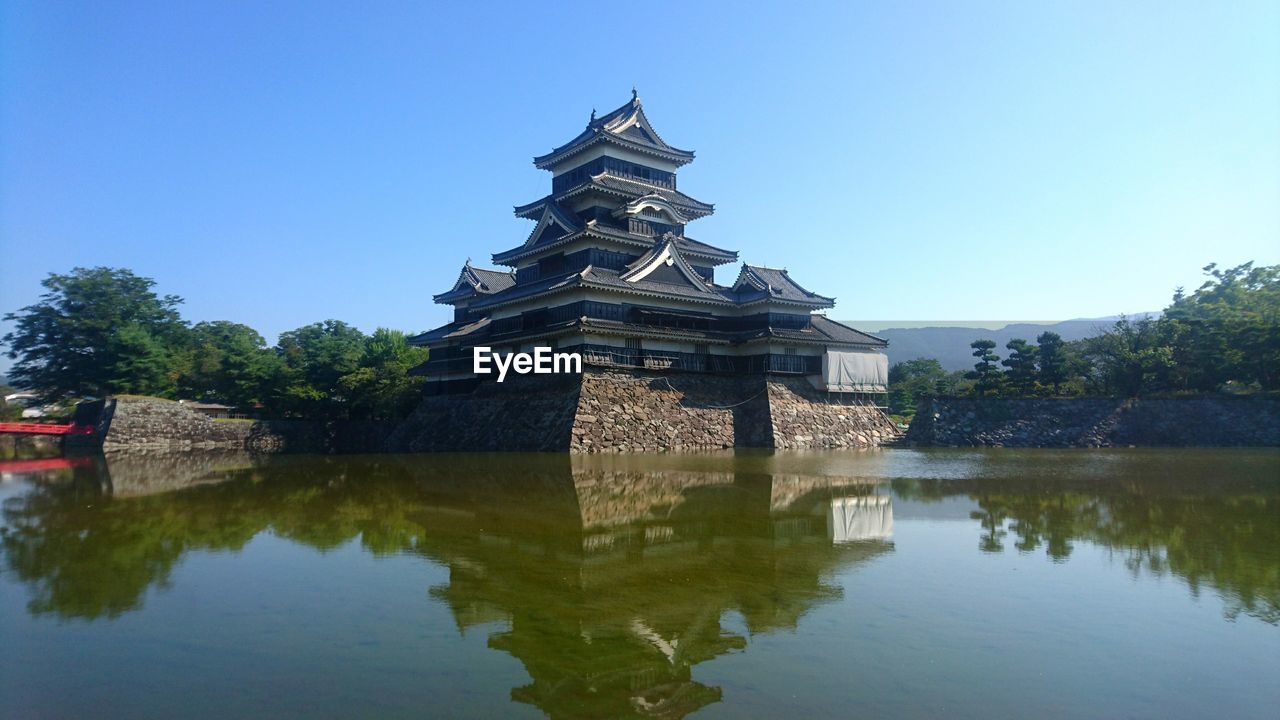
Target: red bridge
(45, 429)
(42, 465)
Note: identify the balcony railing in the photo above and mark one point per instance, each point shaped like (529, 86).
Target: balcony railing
(662, 360)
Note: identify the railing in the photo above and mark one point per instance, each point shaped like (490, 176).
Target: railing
(45, 429)
(795, 364)
(609, 356)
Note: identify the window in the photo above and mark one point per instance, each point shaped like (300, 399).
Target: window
(701, 349)
(634, 344)
(789, 351)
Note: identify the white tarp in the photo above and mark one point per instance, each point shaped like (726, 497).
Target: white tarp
(855, 371)
(866, 517)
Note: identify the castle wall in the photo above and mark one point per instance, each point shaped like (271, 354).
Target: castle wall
(146, 423)
(613, 410)
(626, 410)
(524, 413)
(1191, 421)
(804, 417)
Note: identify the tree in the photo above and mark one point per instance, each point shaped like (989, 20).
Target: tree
(985, 373)
(382, 388)
(140, 363)
(227, 362)
(1021, 362)
(1055, 361)
(911, 381)
(314, 359)
(1228, 330)
(96, 331)
(1132, 357)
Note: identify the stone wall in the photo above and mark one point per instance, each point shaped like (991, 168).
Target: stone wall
(527, 412)
(620, 411)
(141, 423)
(1192, 421)
(635, 410)
(145, 472)
(599, 411)
(804, 417)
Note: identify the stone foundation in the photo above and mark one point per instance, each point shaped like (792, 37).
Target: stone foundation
(620, 411)
(527, 412)
(599, 411)
(634, 410)
(142, 423)
(804, 417)
(1193, 421)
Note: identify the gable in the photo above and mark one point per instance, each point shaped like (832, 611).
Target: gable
(551, 227)
(664, 264)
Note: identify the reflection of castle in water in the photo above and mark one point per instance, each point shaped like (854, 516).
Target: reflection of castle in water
(609, 583)
(617, 588)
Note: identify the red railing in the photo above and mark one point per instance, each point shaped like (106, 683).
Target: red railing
(45, 429)
(42, 465)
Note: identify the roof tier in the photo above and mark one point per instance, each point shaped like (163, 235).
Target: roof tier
(757, 283)
(625, 127)
(541, 241)
(474, 281)
(619, 187)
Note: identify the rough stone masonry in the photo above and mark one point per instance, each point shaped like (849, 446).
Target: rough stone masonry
(638, 411)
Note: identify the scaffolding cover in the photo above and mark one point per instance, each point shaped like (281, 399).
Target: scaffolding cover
(855, 371)
(854, 519)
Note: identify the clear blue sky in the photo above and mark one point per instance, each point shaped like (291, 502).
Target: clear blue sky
(279, 163)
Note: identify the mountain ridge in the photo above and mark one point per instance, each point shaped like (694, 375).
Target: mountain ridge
(949, 344)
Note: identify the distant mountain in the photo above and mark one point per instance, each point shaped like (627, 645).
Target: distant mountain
(949, 345)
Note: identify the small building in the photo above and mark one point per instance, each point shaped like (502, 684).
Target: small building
(609, 271)
(212, 410)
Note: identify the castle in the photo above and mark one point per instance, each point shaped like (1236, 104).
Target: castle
(609, 272)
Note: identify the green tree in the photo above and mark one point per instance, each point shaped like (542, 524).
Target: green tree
(96, 331)
(227, 362)
(1022, 373)
(1056, 363)
(911, 381)
(1131, 358)
(985, 374)
(1228, 330)
(314, 360)
(141, 363)
(382, 388)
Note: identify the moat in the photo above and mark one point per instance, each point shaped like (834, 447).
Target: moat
(893, 583)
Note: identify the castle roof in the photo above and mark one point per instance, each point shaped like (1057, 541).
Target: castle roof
(625, 127)
(474, 281)
(607, 183)
(756, 283)
(659, 284)
(690, 248)
(821, 330)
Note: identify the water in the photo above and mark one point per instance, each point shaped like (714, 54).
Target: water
(899, 583)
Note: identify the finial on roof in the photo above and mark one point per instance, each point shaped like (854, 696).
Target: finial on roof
(593, 115)
(633, 93)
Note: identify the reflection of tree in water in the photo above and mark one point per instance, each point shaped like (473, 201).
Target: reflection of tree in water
(612, 586)
(1216, 532)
